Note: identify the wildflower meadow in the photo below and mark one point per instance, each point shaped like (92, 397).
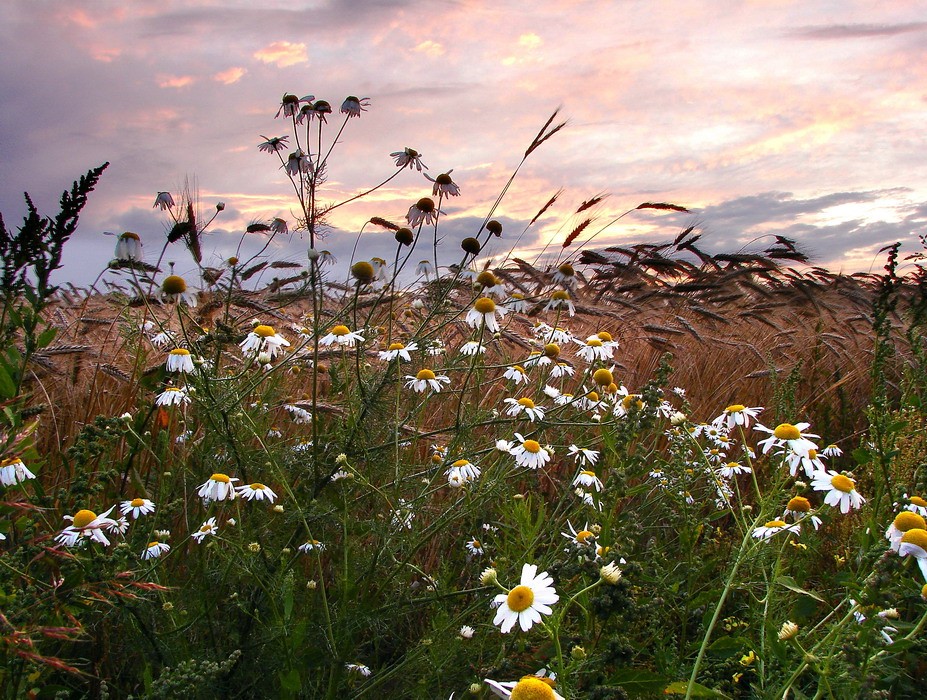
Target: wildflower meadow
(611, 472)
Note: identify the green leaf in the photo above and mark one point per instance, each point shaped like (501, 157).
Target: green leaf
(638, 681)
(726, 647)
(7, 387)
(46, 336)
(789, 582)
(290, 681)
(288, 603)
(862, 456)
(698, 690)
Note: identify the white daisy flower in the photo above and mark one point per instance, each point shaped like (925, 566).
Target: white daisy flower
(529, 453)
(218, 487)
(359, 669)
(525, 603)
(422, 212)
(594, 350)
(565, 275)
(207, 528)
(299, 414)
(409, 157)
(766, 531)
(179, 360)
(263, 339)
(832, 451)
(583, 455)
(810, 462)
(737, 414)
(256, 492)
(516, 303)
(289, 104)
(841, 490)
(466, 632)
(343, 336)
(465, 470)
(14, 471)
(787, 435)
(155, 549)
(731, 469)
(129, 247)
(87, 524)
(163, 339)
(561, 369)
(273, 145)
(580, 537)
(916, 504)
(475, 547)
(444, 185)
(505, 445)
(298, 162)
(136, 507)
(914, 543)
(560, 301)
(174, 290)
(906, 520)
(526, 406)
(353, 106)
(483, 313)
(425, 267)
(799, 509)
(398, 350)
(588, 479)
(311, 546)
(517, 374)
(528, 688)
(172, 396)
(426, 379)
(163, 201)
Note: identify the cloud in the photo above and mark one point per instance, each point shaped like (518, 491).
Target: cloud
(857, 31)
(175, 81)
(530, 40)
(283, 54)
(430, 48)
(231, 75)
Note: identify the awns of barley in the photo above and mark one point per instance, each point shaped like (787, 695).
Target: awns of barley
(576, 231)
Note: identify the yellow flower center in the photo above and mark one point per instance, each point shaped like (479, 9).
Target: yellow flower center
(602, 377)
(264, 331)
(526, 402)
(206, 528)
(787, 431)
(735, 408)
(604, 336)
(552, 350)
(799, 504)
(153, 544)
(812, 454)
(475, 544)
(916, 537)
(633, 400)
(588, 472)
(484, 305)
(396, 346)
(775, 523)
(257, 486)
(137, 502)
(223, 478)
(83, 518)
(594, 343)
(179, 351)
(174, 284)
(520, 598)
(11, 460)
(532, 446)
(918, 501)
(560, 295)
(566, 269)
(461, 463)
(486, 279)
(842, 483)
(592, 396)
(583, 535)
(340, 330)
(532, 688)
(907, 520)
(519, 369)
(425, 374)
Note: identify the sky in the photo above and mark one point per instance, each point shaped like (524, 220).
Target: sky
(803, 119)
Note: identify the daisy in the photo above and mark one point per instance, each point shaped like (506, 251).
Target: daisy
(526, 602)
(914, 543)
(423, 211)
(256, 492)
(840, 490)
(528, 453)
(903, 522)
(299, 414)
(297, 163)
(207, 528)
(737, 414)
(582, 537)
(526, 406)
(799, 508)
(218, 487)
(505, 446)
(86, 523)
(560, 300)
(409, 157)
(444, 185)
(289, 104)
(916, 504)
(360, 669)
(273, 145)
(772, 527)
(343, 336)
(179, 360)
(426, 379)
(810, 462)
(583, 455)
(136, 507)
(731, 469)
(832, 451)
(529, 688)
(172, 396)
(162, 339)
(787, 435)
(594, 349)
(155, 549)
(565, 275)
(587, 478)
(398, 350)
(320, 109)
(484, 313)
(174, 290)
(129, 247)
(475, 547)
(466, 632)
(560, 335)
(517, 374)
(516, 303)
(561, 369)
(465, 470)
(263, 339)
(425, 267)
(311, 546)
(14, 471)
(163, 201)
(353, 106)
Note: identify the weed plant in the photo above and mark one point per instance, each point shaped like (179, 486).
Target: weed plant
(635, 471)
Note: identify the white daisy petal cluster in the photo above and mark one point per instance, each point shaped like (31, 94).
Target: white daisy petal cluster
(256, 492)
(483, 313)
(155, 549)
(263, 339)
(218, 487)
(85, 524)
(342, 336)
(462, 472)
(136, 508)
(426, 379)
(172, 396)
(841, 490)
(524, 406)
(737, 414)
(14, 471)
(528, 453)
(398, 351)
(787, 436)
(207, 528)
(583, 455)
(525, 603)
(179, 360)
(764, 532)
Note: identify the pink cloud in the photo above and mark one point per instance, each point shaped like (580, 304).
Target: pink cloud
(230, 76)
(175, 81)
(283, 54)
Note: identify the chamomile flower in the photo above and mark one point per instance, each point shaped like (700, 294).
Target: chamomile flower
(289, 104)
(299, 414)
(832, 451)
(423, 212)
(594, 349)
(764, 532)
(218, 487)
(207, 528)
(810, 462)
(916, 504)
(565, 275)
(155, 549)
(588, 479)
(914, 543)
(256, 492)
(583, 455)
(129, 247)
(841, 490)
(528, 453)
(464, 470)
(398, 351)
(263, 339)
(561, 369)
(471, 348)
(525, 406)
(517, 374)
(525, 603)
(341, 335)
(737, 414)
(444, 185)
(483, 313)
(172, 396)
(427, 379)
(528, 688)
(136, 508)
(179, 360)
(466, 632)
(731, 469)
(174, 290)
(799, 509)
(353, 106)
(516, 303)
(409, 157)
(475, 547)
(359, 669)
(163, 339)
(273, 145)
(906, 520)
(583, 537)
(87, 524)
(311, 546)
(163, 201)
(560, 301)
(787, 435)
(14, 471)
(505, 445)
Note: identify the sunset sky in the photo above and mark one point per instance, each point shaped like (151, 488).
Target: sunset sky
(805, 119)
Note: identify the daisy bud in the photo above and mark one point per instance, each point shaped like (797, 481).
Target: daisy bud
(278, 508)
(495, 228)
(610, 573)
(788, 630)
(254, 547)
(678, 418)
(471, 246)
(311, 585)
(341, 460)
(475, 688)
(220, 206)
(489, 576)
(312, 254)
(167, 607)
(578, 653)
(404, 236)
(363, 272)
